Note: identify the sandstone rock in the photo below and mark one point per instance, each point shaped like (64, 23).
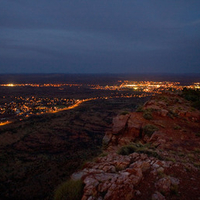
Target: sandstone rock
(160, 170)
(163, 185)
(137, 193)
(143, 156)
(156, 136)
(120, 191)
(174, 181)
(144, 166)
(162, 103)
(134, 156)
(106, 139)
(121, 165)
(163, 112)
(167, 184)
(109, 168)
(78, 175)
(157, 196)
(135, 121)
(119, 123)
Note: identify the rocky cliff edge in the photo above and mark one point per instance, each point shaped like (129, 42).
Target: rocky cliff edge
(153, 153)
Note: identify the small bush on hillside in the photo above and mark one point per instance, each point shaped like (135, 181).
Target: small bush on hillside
(104, 154)
(196, 105)
(197, 134)
(139, 108)
(127, 149)
(139, 148)
(172, 114)
(149, 129)
(124, 113)
(147, 114)
(193, 96)
(72, 190)
(177, 127)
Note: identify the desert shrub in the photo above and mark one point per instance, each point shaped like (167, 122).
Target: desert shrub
(174, 189)
(193, 96)
(172, 114)
(170, 159)
(196, 105)
(124, 113)
(177, 127)
(190, 94)
(163, 98)
(197, 134)
(149, 129)
(127, 149)
(139, 148)
(139, 108)
(72, 190)
(147, 114)
(197, 164)
(104, 154)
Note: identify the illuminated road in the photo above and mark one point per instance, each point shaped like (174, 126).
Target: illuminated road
(74, 106)
(59, 110)
(5, 123)
(70, 107)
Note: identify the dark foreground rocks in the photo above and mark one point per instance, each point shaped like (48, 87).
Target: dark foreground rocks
(150, 154)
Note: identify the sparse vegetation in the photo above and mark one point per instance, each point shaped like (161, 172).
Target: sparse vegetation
(149, 129)
(192, 96)
(197, 134)
(172, 114)
(104, 154)
(124, 113)
(139, 108)
(197, 164)
(197, 150)
(127, 149)
(170, 159)
(147, 148)
(147, 114)
(163, 98)
(174, 189)
(177, 127)
(181, 154)
(72, 190)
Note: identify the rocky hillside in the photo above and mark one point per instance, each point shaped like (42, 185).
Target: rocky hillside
(153, 153)
(39, 153)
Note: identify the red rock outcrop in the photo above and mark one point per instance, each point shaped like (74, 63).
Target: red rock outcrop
(165, 159)
(171, 116)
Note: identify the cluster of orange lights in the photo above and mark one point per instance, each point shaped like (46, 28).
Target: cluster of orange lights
(146, 88)
(39, 85)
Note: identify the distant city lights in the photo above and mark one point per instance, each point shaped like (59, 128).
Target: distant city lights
(21, 107)
(10, 85)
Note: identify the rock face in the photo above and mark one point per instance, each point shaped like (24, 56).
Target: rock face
(118, 177)
(168, 115)
(115, 176)
(126, 128)
(160, 156)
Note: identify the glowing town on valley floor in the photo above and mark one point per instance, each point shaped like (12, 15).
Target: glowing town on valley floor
(21, 107)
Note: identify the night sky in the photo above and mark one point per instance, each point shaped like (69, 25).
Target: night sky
(99, 36)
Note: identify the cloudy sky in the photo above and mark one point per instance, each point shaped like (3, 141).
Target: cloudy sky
(100, 36)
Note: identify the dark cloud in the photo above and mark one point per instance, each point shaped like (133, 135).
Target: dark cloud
(99, 36)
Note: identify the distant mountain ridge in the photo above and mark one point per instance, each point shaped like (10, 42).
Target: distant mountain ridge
(98, 78)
